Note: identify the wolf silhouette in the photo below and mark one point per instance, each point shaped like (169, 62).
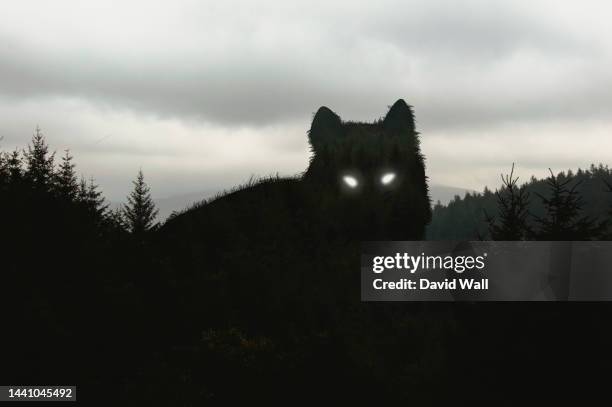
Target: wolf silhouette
(280, 258)
(284, 241)
(274, 245)
(365, 181)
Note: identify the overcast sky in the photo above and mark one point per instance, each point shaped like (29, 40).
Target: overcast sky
(203, 94)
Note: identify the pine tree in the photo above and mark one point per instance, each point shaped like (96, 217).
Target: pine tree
(563, 219)
(116, 220)
(513, 204)
(96, 199)
(4, 173)
(82, 190)
(89, 195)
(14, 165)
(66, 179)
(140, 212)
(39, 162)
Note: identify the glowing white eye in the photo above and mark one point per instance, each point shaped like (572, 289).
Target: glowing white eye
(387, 178)
(350, 181)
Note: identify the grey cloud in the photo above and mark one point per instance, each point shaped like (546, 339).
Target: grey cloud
(473, 32)
(448, 59)
(203, 94)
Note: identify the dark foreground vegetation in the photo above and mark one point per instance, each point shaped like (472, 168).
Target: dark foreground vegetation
(121, 307)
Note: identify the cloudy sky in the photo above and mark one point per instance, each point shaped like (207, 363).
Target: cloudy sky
(203, 94)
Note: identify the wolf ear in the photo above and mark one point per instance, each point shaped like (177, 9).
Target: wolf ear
(400, 118)
(326, 127)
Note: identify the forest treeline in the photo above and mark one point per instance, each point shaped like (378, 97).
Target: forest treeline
(581, 199)
(93, 299)
(81, 289)
(35, 174)
(569, 205)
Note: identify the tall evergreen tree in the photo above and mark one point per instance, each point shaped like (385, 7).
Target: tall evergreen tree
(513, 204)
(563, 219)
(82, 190)
(39, 162)
(4, 174)
(66, 179)
(14, 165)
(140, 211)
(89, 195)
(96, 199)
(116, 220)
(4, 168)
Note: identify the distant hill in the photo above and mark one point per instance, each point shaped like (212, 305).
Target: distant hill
(178, 202)
(461, 213)
(463, 218)
(445, 194)
(166, 206)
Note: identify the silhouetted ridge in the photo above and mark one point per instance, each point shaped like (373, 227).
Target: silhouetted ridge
(466, 217)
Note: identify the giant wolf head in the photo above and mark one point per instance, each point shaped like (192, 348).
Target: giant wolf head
(370, 177)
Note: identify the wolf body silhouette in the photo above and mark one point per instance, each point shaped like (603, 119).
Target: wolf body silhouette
(365, 181)
(281, 257)
(274, 250)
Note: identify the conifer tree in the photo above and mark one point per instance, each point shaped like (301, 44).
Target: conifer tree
(116, 220)
(14, 165)
(89, 195)
(39, 162)
(82, 190)
(563, 219)
(140, 211)
(3, 169)
(513, 206)
(66, 179)
(96, 199)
